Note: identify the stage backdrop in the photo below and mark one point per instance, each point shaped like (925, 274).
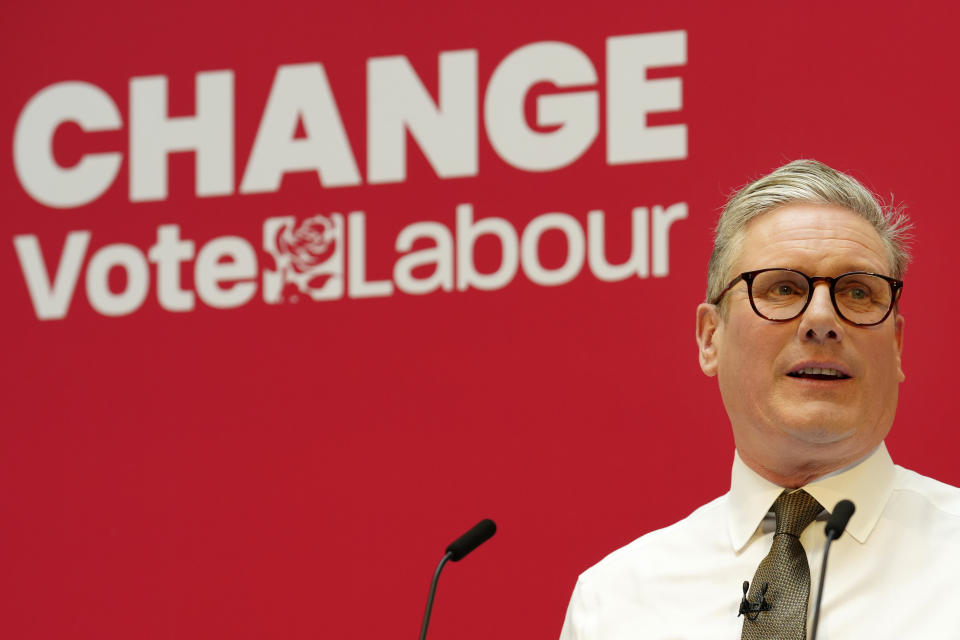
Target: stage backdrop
(294, 293)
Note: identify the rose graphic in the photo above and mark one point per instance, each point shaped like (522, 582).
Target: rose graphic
(312, 243)
(308, 258)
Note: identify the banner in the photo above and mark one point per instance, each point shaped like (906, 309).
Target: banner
(295, 294)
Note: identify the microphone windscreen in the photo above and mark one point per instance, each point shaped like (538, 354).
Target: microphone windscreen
(480, 533)
(839, 519)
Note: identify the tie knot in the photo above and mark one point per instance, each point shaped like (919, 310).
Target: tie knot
(795, 510)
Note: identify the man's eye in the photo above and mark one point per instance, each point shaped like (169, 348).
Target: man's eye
(855, 291)
(783, 290)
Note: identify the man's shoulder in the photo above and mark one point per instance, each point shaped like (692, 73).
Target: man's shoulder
(701, 531)
(939, 497)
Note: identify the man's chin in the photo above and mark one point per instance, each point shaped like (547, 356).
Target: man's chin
(817, 422)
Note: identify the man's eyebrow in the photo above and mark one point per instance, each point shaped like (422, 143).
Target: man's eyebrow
(845, 267)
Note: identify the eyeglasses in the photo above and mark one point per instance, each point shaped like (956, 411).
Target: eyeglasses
(861, 298)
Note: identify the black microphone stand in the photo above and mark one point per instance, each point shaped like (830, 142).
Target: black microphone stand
(433, 592)
(456, 550)
(835, 525)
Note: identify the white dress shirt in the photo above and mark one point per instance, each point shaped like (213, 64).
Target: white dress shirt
(895, 572)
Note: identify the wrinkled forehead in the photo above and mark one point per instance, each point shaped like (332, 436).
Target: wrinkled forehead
(806, 235)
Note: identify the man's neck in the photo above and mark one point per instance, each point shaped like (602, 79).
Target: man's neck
(793, 473)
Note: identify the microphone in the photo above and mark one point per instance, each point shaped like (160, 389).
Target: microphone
(477, 535)
(456, 551)
(835, 526)
(839, 519)
(752, 609)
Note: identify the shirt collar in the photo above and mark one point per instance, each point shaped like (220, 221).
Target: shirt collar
(868, 484)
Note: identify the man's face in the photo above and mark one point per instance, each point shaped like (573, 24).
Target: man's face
(778, 417)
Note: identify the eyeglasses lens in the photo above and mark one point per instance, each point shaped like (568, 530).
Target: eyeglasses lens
(780, 294)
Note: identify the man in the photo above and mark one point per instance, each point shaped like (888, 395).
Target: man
(802, 331)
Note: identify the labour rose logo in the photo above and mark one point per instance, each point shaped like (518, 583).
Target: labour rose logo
(308, 258)
(312, 243)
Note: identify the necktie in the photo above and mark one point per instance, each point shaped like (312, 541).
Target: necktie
(786, 571)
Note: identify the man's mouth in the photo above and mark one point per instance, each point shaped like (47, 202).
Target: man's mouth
(818, 373)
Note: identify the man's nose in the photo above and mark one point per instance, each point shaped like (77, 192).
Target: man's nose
(820, 321)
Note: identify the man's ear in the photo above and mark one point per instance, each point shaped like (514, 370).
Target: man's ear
(898, 336)
(708, 320)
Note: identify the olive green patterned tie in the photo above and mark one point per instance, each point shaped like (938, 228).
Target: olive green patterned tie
(786, 572)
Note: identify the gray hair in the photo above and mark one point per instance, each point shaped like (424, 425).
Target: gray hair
(803, 182)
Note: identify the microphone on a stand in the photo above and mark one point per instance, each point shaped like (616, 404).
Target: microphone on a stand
(457, 550)
(834, 529)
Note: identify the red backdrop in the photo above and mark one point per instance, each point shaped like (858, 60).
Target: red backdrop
(295, 468)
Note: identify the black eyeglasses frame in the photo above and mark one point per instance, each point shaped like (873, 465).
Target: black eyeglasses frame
(896, 290)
